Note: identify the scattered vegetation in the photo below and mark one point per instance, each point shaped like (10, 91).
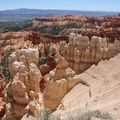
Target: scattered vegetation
(97, 114)
(89, 114)
(47, 115)
(45, 29)
(48, 51)
(4, 65)
(13, 25)
(85, 116)
(55, 30)
(4, 43)
(41, 29)
(72, 24)
(42, 60)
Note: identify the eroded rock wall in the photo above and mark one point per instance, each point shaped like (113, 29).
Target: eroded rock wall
(22, 94)
(81, 52)
(59, 82)
(2, 102)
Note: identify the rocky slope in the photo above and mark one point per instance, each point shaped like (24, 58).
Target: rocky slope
(16, 38)
(107, 26)
(23, 95)
(104, 81)
(43, 73)
(57, 28)
(59, 20)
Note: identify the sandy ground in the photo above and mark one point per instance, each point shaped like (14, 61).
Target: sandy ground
(104, 81)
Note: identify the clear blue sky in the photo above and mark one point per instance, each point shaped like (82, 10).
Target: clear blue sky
(97, 5)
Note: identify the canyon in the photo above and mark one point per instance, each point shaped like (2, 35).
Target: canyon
(73, 72)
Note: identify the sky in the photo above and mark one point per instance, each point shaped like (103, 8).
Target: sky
(92, 5)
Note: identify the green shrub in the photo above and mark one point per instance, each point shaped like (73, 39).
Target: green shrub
(41, 29)
(4, 43)
(88, 115)
(42, 60)
(72, 24)
(46, 115)
(4, 66)
(97, 114)
(55, 30)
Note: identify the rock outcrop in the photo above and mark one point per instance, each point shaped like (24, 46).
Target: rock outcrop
(81, 53)
(104, 81)
(22, 94)
(28, 37)
(63, 18)
(59, 82)
(105, 26)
